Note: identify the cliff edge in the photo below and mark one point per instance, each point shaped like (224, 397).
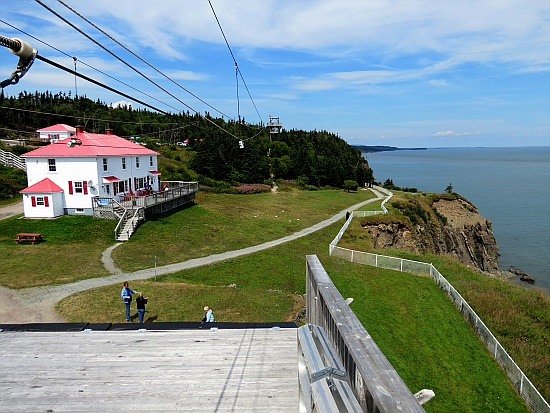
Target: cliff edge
(446, 225)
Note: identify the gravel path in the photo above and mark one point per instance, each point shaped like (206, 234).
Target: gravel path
(36, 304)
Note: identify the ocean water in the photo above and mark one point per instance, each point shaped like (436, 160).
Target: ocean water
(509, 186)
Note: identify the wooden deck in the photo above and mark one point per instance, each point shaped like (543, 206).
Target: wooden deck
(241, 370)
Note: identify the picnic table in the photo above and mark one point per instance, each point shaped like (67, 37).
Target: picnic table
(28, 237)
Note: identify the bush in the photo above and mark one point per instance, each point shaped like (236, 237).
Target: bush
(251, 188)
(413, 210)
(12, 180)
(350, 185)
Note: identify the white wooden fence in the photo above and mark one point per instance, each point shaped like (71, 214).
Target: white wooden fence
(375, 383)
(12, 160)
(523, 385)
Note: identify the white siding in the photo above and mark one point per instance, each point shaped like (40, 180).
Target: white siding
(54, 208)
(90, 171)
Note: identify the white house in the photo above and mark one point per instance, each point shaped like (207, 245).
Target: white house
(56, 133)
(64, 176)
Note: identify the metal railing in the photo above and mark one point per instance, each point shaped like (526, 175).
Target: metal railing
(127, 226)
(176, 189)
(321, 375)
(374, 382)
(523, 385)
(12, 160)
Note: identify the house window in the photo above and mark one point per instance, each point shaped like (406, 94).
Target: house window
(51, 165)
(78, 187)
(150, 161)
(140, 183)
(123, 163)
(79, 210)
(120, 186)
(137, 161)
(105, 164)
(40, 200)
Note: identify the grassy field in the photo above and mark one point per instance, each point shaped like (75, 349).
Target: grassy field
(222, 222)
(72, 250)
(215, 223)
(439, 351)
(411, 320)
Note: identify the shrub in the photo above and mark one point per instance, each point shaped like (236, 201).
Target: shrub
(251, 188)
(350, 185)
(413, 210)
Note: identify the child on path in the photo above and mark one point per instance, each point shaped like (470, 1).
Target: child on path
(208, 315)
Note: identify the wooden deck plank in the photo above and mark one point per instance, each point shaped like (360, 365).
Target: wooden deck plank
(251, 370)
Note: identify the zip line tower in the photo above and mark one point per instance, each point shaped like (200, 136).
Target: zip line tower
(274, 126)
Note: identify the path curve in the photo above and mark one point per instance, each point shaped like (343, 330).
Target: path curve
(37, 304)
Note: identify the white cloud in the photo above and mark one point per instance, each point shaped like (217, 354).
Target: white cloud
(121, 103)
(186, 75)
(453, 133)
(438, 82)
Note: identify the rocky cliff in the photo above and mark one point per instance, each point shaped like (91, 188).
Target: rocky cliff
(446, 225)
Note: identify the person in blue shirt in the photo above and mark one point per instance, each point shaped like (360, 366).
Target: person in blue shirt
(208, 315)
(126, 295)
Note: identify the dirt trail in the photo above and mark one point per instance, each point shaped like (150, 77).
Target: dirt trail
(37, 304)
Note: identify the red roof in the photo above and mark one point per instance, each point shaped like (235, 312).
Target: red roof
(60, 127)
(154, 173)
(46, 185)
(92, 145)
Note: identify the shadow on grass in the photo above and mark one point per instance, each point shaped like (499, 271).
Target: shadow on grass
(158, 217)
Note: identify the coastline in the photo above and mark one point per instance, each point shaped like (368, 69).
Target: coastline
(509, 186)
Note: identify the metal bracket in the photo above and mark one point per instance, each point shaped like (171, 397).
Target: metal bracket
(23, 66)
(26, 54)
(328, 372)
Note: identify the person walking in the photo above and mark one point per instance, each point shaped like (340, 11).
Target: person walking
(140, 304)
(126, 295)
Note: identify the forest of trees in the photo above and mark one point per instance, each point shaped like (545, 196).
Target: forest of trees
(318, 158)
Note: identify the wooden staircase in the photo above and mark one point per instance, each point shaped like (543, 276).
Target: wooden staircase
(128, 222)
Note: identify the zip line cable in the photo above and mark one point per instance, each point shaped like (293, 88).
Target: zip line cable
(134, 69)
(89, 79)
(85, 64)
(150, 65)
(237, 70)
(98, 119)
(4, 41)
(140, 58)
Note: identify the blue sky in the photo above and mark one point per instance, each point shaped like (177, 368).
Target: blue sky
(403, 73)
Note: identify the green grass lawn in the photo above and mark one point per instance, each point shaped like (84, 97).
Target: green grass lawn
(414, 324)
(72, 250)
(223, 222)
(216, 223)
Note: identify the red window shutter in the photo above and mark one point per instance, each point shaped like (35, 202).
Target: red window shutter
(70, 187)
(46, 202)
(33, 200)
(85, 186)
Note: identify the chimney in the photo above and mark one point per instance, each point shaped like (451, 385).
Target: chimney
(79, 129)
(109, 131)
